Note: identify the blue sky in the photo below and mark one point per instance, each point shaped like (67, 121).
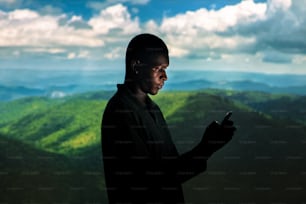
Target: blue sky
(251, 36)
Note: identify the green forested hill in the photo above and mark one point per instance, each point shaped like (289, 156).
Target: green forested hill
(50, 152)
(64, 127)
(30, 175)
(282, 106)
(264, 162)
(10, 111)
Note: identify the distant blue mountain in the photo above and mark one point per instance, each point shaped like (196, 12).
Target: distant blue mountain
(235, 85)
(62, 83)
(10, 93)
(188, 85)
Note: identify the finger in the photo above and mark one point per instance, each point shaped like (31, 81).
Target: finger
(227, 117)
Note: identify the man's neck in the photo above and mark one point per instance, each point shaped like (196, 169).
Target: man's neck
(137, 92)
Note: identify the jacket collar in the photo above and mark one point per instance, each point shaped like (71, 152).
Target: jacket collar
(127, 93)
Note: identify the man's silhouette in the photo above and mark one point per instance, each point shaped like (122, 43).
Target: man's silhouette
(141, 162)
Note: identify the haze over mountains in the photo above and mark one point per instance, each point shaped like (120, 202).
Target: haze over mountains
(21, 83)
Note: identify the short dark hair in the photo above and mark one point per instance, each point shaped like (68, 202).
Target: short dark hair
(144, 47)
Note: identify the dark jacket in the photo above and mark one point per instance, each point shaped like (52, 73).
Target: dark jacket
(141, 162)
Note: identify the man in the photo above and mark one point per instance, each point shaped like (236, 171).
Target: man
(141, 162)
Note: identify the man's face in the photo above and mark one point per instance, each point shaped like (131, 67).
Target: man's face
(153, 75)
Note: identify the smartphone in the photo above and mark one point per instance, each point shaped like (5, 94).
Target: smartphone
(227, 117)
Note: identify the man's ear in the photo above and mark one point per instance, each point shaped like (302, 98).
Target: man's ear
(135, 66)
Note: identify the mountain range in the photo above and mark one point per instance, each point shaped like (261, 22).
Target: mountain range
(50, 148)
(64, 83)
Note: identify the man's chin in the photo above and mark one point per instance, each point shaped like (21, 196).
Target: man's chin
(154, 92)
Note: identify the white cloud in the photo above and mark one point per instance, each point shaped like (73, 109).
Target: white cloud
(281, 37)
(278, 5)
(274, 32)
(201, 29)
(29, 28)
(271, 32)
(204, 20)
(27, 31)
(58, 94)
(114, 18)
(22, 15)
(45, 50)
(115, 53)
(300, 59)
(198, 31)
(79, 54)
(151, 26)
(177, 52)
(71, 55)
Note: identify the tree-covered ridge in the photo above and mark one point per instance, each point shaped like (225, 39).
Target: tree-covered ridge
(63, 127)
(12, 110)
(32, 175)
(72, 124)
(267, 151)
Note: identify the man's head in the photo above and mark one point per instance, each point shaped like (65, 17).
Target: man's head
(146, 60)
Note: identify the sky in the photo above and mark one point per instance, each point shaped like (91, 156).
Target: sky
(267, 36)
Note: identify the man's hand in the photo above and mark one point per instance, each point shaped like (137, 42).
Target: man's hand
(217, 135)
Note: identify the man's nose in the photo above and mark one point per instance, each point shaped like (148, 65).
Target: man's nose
(164, 76)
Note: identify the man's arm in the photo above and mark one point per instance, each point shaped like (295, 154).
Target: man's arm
(193, 162)
(214, 138)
